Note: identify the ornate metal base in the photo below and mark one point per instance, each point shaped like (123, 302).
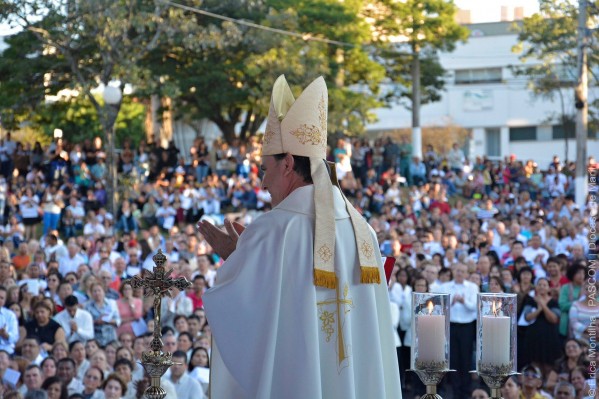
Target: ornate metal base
(495, 378)
(156, 363)
(431, 378)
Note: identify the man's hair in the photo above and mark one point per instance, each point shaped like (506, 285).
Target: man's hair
(3, 288)
(71, 300)
(301, 166)
(567, 385)
(180, 354)
(66, 360)
(33, 366)
(123, 361)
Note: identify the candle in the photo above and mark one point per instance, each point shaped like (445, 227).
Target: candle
(496, 339)
(430, 332)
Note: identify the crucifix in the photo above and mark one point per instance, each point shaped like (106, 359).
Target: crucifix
(343, 306)
(157, 283)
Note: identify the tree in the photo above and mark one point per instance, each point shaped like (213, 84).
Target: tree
(548, 51)
(231, 83)
(81, 44)
(415, 30)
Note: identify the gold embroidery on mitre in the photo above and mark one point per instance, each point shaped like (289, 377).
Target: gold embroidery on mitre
(366, 249)
(312, 134)
(328, 320)
(268, 135)
(325, 253)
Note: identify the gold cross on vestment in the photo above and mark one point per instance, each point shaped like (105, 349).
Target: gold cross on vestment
(158, 283)
(328, 319)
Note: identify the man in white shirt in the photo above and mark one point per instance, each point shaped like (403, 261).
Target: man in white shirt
(78, 324)
(65, 371)
(537, 255)
(54, 250)
(186, 387)
(463, 328)
(9, 327)
(71, 262)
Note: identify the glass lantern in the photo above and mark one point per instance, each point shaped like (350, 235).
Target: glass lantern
(496, 335)
(430, 331)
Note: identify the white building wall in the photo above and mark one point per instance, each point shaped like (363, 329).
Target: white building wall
(492, 105)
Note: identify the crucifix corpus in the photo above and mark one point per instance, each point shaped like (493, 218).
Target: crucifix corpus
(157, 283)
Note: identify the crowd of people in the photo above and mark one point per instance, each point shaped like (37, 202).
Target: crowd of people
(70, 328)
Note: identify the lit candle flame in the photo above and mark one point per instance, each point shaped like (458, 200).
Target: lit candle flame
(430, 307)
(496, 308)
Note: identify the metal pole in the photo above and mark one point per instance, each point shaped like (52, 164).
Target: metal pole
(111, 181)
(581, 93)
(416, 130)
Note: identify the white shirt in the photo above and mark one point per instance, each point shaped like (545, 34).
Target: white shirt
(8, 320)
(66, 264)
(461, 312)
(85, 325)
(187, 387)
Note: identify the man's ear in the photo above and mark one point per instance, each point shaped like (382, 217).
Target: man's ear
(289, 163)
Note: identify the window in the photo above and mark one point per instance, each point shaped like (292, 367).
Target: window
(480, 75)
(560, 134)
(527, 133)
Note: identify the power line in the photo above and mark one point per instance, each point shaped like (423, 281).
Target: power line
(303, 36)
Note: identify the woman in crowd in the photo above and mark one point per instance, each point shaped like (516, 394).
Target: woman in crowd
(129, 307)
(495, 285)
(98, 359)
(43, 327)
(511, 389)
(106, 317)
(48, 366)
(78, 354)
(583, 311)
(53, 279)
(542, 312)
(570, 293)
(54, 388)
(91, 382)
(110, 352)
(578, 378)
(114, 387)
(60, 350)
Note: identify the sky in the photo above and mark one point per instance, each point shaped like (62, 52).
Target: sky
(481, 10)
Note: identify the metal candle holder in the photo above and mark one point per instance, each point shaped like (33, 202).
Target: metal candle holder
(430, 334)
(157, 283)
(496, 322)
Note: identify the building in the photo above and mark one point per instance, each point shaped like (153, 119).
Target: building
(483, 95)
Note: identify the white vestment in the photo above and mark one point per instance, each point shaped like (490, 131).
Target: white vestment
(277, 335)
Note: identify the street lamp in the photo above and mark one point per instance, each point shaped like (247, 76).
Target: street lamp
(112, 98)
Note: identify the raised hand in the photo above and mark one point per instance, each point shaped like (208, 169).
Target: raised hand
(223, 242)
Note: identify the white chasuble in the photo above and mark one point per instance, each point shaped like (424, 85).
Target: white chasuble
(277, 335)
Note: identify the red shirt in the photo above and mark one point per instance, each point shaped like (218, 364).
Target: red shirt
(196, 300)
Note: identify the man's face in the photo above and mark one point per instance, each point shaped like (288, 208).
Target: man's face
(535, 242)
(4, 269)
(460, 273)
(33, 378)
(2, 298)
(563, 392)
(170, 343)
(517, 250)
(274, 180)
(178, 367)
(431, 273)
(72, 310)
(531, 379)
(66, 372)
(124, 372)
(30, 349)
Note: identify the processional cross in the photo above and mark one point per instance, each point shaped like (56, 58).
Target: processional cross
(158, 283)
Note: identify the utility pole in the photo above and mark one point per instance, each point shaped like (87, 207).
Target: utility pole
(581, 104)
(416, 130)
